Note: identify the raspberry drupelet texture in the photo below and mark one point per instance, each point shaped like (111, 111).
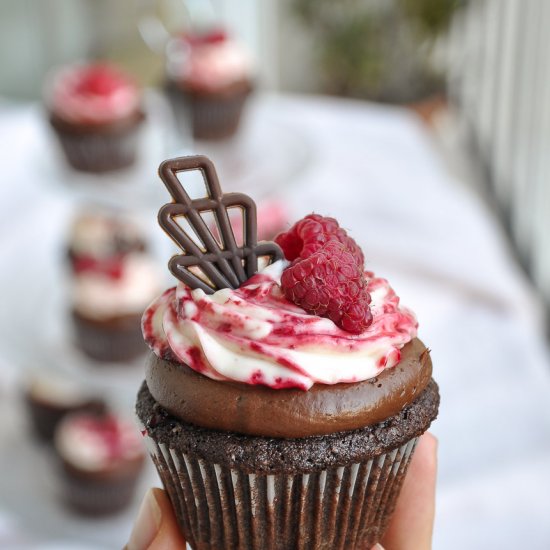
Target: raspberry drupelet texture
(326, 276)
(310, 233)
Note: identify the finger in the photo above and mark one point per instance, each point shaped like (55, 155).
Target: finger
(156, 527)
(412, 523)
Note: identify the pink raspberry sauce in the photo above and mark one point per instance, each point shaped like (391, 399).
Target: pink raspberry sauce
(255, 335)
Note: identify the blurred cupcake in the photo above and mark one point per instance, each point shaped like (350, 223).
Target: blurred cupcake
(113, 280)
(96, 111)
(101, 457)
(49, 398)
(209, 80)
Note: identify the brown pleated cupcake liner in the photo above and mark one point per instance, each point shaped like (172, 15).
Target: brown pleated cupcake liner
(216, 117)
(96, 498)
(109, 343)
(44, 417)
(99, 152)
(219, 507)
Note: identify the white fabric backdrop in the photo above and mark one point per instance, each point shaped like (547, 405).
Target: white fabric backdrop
(376, 170)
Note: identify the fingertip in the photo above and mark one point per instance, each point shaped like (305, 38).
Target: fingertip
(169, 536)
(426, 452)
(162, 500)
(147, 523)
(428, 439)
(412, 523)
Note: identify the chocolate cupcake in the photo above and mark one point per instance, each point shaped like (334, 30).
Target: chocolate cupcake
(96, 112)
(281, 408)
(208, 83)
(112, 278)
(100, 459)
(49, 398)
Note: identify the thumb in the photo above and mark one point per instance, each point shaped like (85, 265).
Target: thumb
(412, 522)
(156, 527)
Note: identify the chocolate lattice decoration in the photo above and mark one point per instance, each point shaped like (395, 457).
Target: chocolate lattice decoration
(216, 265)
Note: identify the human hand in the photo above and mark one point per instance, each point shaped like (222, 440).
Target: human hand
(410, 527)
(156, 527)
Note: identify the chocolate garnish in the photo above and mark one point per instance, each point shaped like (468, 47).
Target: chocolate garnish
(217, 265)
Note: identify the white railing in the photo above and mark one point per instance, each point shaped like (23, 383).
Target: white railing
(499, 79)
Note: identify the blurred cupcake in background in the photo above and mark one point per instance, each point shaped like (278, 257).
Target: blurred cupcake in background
(101, 457)
(272, 219)
(209, 78)
(96, 112)
(113, 279)
(49, 397)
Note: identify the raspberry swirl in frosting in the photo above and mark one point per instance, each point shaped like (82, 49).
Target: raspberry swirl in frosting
(93, 94)
(97, 442)
(255, 335)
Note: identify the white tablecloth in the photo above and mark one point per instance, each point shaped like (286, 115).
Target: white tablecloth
(376, 169)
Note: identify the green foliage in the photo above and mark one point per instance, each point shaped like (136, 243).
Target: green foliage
(379, 49)
(432, 16)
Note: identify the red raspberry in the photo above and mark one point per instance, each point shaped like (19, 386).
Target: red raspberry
(309, 234)
(100, 79)
(330, 283)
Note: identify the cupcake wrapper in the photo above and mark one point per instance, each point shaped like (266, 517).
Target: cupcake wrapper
(216, 120)
(97, 498)
(343, 508)
(99, 152)
(210, 118)
(44, 418)
(110, 343)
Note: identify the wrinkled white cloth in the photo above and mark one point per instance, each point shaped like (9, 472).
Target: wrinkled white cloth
(377, 170)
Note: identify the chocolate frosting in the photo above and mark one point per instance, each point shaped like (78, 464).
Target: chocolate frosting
(288, 413)
(268, 455)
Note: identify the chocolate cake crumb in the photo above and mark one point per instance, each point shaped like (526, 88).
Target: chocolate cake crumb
(268, 455)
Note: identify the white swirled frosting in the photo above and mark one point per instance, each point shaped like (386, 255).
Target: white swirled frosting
(255, 335)
(209, 66)
(92, 94)
(98, 296)
(96, 443)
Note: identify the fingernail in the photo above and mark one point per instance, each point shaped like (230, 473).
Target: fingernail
(147, 523)
(377, 547)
